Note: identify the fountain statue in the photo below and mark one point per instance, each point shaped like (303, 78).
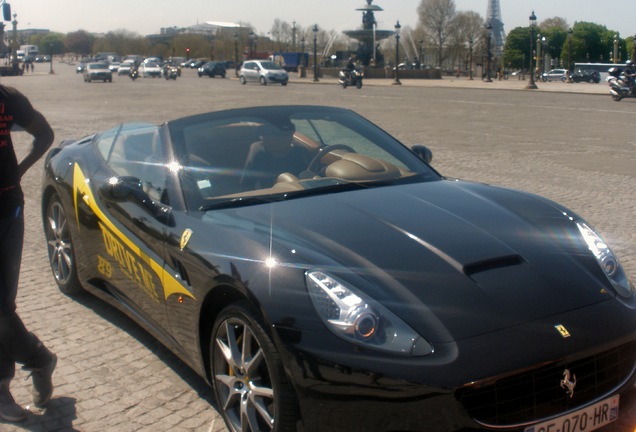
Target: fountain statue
(368, 37)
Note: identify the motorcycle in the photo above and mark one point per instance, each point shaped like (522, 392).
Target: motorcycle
(350, 78)
(619, 85)
(171, 72)
(134, 74)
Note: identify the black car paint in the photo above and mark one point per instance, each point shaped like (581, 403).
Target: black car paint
(218, 267)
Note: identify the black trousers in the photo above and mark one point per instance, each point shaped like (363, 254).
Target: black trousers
(17, 344)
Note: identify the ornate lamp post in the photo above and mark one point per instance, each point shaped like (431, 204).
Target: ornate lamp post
(421, 41)
(302, 44)
(14, 49)
(397, 53)
(533, 23)
(615, 48)
(470, 58)
(252, 42)
(488, 51)
(315, 30)
(570, 33)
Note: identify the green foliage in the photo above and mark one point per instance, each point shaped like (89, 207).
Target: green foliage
(52, 43)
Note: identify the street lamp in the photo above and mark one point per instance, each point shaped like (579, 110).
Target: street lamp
(236, 68)
(421, 41)
(634, 48)
(397, 53)
(615, 48)
(470, 58)
(570, 33)
(533, 23)
(294, 36)
(315, 30)
(488, 53)
(252, 36)
(302, 44)
(15, 44)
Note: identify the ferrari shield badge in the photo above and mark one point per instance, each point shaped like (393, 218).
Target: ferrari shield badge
(560, 328)
(185, 237)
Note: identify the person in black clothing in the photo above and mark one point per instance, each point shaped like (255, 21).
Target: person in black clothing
(17, 344)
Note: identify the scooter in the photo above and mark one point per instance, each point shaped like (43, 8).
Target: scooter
(350, 78)
(171, 72)
(619, 85)
(134, 74)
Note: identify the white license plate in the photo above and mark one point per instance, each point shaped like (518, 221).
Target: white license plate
(584, 420)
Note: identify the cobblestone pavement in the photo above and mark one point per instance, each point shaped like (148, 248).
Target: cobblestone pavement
(564, 141)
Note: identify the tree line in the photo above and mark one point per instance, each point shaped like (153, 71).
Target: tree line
(443, 36)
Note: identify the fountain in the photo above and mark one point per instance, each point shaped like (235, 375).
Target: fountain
(369, 36)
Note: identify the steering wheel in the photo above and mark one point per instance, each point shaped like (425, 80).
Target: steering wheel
(316, 162)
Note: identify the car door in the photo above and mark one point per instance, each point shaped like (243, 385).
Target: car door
(135, 207)
(251, 72)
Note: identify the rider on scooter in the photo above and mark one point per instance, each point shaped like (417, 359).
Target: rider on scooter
(630, 75)
(350, 67)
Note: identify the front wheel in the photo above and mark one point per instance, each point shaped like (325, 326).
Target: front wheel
(263, 81)
(359, 84)
(242, 80)
(249, 380)
(616, 97)
(60, 248)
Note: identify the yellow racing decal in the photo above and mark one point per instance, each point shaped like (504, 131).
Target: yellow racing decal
(81, 187)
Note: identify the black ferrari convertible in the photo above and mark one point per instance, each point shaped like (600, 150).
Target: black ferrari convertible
(320, 275)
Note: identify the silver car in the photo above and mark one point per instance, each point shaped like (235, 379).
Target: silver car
(97, 72)
(263, 71)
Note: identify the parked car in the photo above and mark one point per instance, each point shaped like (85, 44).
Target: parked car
(263, 71)
(212, 69)
(555, 75)
(149, 69)
(590, 76)
(97, 72)
(322, 276)
(125, 67)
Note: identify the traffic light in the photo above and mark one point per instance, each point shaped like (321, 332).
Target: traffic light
(188, 52)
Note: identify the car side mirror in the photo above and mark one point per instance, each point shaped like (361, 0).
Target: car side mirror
(122, 188)
(423, 153)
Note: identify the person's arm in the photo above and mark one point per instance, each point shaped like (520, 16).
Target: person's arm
(42, 139)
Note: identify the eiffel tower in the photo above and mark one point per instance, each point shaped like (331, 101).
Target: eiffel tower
(493, 16)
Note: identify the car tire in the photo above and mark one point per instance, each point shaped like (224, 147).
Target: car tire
(242, 80)
(263, 81)
(243, 358)
(60, 248)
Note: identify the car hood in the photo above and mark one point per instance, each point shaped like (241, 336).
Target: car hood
(453, 259)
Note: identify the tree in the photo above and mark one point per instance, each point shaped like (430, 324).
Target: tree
(79, 42)
(437, 18)
(52, 44)
(517, 51)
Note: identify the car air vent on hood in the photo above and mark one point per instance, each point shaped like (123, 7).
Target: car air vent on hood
(492, 263)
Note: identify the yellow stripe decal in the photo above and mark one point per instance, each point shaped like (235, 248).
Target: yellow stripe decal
(81, 187)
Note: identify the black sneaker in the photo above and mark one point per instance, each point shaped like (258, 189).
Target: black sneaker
(42, 382)
(9, 409)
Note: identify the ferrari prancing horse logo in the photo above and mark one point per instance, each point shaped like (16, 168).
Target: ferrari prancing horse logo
(185, 237)
(562, 330)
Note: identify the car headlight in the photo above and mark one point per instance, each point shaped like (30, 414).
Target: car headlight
(607, 260)
(358, 319)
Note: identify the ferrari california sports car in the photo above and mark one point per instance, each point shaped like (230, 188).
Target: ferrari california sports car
(323, 276)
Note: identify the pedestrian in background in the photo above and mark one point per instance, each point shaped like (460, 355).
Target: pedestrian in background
(17, 344)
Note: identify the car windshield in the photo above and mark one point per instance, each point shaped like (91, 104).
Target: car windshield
(98, 66)
(273, 153)
(270, 65)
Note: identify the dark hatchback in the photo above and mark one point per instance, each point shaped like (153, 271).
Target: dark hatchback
(212, 69)
(588, 76)
(323, 276)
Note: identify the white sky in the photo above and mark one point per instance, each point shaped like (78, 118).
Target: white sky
(148, 16)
